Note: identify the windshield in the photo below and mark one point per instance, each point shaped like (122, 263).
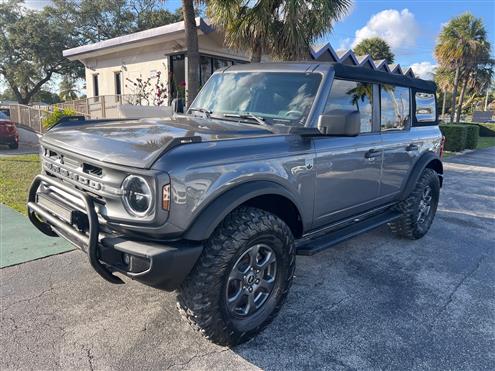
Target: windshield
(276, 97)
(3, 116)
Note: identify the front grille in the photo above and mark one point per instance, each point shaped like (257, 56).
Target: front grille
(92, 170)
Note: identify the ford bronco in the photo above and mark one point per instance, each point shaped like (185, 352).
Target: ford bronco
(269, 161)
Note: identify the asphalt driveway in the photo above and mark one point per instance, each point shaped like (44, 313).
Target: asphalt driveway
(375, 302)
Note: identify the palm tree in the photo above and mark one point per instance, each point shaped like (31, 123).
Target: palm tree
(192, 50)
(67, 89)
(377, 48)
(444, 79)
(283, 29)
(461, 45)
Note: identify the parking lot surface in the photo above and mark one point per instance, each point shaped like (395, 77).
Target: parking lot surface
(374, 302)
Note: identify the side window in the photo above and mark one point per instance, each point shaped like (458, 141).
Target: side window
(425, 107)
(352, 96)
(394, 104)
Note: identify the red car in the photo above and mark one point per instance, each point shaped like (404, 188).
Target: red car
(8, 132)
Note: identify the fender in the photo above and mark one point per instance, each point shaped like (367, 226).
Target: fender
(211, 216)
(429, 159)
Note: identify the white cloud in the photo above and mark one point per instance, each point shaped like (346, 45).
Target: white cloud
(424, 70)
(398, 29)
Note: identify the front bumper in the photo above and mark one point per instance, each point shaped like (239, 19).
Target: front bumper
(160, 265)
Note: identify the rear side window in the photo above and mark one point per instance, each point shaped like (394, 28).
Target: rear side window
(352, 96)
(425, 107)
(395, 108)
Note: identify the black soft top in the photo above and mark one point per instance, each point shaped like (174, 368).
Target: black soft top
(365, 74)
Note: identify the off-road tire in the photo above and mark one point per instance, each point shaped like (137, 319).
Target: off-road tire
(407, 225)
(14, 146)
(201, 298)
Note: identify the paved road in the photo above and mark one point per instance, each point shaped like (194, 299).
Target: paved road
(373, 302)
(24, 149)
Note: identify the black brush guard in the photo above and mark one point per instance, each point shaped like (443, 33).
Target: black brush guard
(86, 242)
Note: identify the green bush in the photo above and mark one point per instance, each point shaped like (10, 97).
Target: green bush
(472, 136)
(455, 137)
(56, 115)
(486, 129)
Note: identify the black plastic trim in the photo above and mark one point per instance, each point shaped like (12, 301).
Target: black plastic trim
(211, 216)
(417, 170)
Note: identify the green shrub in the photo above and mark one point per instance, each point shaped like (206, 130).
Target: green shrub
(472, 135)
(455, 137)
(486, 129)
(56, 115)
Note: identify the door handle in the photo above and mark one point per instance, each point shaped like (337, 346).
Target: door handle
(412, 147)
(372, 153)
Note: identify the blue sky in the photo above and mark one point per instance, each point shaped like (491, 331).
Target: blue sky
(411, 27)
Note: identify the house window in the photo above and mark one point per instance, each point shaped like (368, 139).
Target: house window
(118, 83)
(352, 96)
(394, 104)
(96, 88)
(178, 75)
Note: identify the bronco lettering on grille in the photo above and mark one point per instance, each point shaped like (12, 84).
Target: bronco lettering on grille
(72, 175)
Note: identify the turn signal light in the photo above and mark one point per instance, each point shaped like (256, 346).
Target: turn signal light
(166, 197)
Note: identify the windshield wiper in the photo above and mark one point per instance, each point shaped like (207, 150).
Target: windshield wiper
(244, 116)
(202, 110)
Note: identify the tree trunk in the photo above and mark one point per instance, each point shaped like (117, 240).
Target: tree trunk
(256, 52)
(444, 102)
(461, 100)
(486, 98)
(192, 50)
(454, 94)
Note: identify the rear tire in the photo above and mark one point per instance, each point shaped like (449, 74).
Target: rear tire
(226, 297)
(419, 208)
(14, 145)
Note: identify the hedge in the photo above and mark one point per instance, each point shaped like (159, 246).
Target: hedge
(56, 115)
(487, 130)
(455, 137)
(472, 136)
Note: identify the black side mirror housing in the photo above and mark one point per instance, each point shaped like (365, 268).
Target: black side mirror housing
(340, 123)
(178, 105)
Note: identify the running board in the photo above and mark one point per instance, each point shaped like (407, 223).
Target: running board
(318, 244)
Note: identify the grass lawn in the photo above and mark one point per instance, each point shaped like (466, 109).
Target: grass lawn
(485, 142)
(16, 175)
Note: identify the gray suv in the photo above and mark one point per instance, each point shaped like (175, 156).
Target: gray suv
(269, 161)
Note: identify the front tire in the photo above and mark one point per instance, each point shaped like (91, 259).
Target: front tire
(241, 279)
(419, 208)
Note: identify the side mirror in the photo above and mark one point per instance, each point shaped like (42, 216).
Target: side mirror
(178, 105)
(340, 123)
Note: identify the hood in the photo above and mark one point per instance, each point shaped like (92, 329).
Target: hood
(138, 143)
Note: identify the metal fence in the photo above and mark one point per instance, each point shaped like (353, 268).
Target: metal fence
(104, 106)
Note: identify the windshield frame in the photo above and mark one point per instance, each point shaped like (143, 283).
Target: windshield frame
(311, 117)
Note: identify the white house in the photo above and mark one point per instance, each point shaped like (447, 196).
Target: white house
(110, 63)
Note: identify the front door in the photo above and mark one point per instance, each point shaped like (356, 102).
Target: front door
(347, 176)
(348, 169)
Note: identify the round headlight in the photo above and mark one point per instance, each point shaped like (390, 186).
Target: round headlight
(138, 199)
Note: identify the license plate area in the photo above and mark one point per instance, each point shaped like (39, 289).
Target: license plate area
(56, 207)
(63, 211)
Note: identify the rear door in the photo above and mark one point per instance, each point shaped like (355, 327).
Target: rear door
(400, 147)
(348, 169)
